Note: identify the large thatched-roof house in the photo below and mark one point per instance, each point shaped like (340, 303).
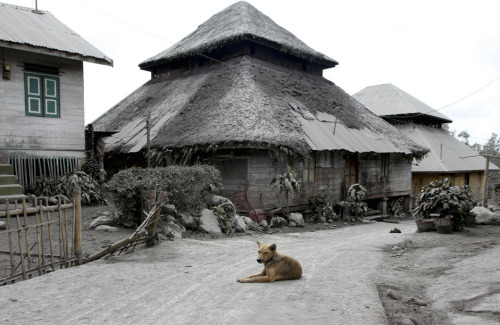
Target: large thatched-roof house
(246, 95)
(448, 157)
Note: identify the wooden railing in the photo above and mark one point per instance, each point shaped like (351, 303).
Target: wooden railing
(40, 239)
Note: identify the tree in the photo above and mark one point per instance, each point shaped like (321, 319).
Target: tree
(466, 136)
(286, 183)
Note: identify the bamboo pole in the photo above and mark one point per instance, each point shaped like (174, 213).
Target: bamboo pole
(50, 237)
(26, 235)
(61, 248)
(19, 238)
(152, 229)
(113, 248)
(38, 241)
(10, 239)
(37, 209)
(66, 244)
(77, 226)
(42, 235)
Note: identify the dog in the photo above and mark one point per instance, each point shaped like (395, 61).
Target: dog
(277, 266)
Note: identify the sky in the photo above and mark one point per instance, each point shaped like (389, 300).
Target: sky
(445, 53)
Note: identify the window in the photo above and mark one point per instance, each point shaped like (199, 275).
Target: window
(41, 95)
(385, 165)
(308, 173)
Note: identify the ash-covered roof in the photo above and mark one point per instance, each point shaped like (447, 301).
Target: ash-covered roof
(447, 153)
(40, 29)
(247, 101)
(240, 21)
(388, 100)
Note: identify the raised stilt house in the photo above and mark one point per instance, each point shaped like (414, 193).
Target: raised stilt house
(42, 129)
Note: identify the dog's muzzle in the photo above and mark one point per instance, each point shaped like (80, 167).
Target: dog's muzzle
(259, 260)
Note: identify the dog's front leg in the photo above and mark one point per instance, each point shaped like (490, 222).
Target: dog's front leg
(263, 273)
(259, 279)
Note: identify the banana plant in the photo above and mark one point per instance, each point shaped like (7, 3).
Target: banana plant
(287, 183)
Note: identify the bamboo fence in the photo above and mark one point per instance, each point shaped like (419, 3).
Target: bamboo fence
(48, 237)
(29, 168)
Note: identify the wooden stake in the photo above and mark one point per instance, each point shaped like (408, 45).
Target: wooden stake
(42, 237)
(50, 237)
(10, 238)
(26, 235)
(38, 241)
(19, 238)
(78, 224)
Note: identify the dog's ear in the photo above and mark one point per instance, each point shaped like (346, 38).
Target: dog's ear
(259, 244)
(272, 247)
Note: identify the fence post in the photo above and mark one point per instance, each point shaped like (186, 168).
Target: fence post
(77, 227)
(152, 229)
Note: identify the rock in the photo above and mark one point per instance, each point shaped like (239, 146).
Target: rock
(209, 222)
(263, 223)
(417, 301)
(239, 223)
(98, 214)
(330, 221)
(53, 200)
(106, 228)
(169, 209)
(188, 221)
(406, 321)
(396, 248)
(129, 224)
(102, 220)
(484, 216)
(297, 218)
(216, 200)
(170, 218)
(248, 221)
(3, 225)
(292, 224)
(395, 230)
(393, 295)
(321, 220)
(174, 230)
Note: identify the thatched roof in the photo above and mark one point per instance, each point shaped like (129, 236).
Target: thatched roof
(240, 21)
(250, 102)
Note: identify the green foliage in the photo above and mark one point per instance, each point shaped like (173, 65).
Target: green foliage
(91, 167)
(441, 196)
(222, 217)
(354, 202)
(91, 192)
(322, 205)
(287, 183)
(185, 186)
(277, 222)
(44, 187)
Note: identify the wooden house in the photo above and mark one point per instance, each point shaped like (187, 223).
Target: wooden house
(42, 130)
(244, 94)
(448, 157)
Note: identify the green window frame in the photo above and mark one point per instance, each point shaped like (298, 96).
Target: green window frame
(309, 171)
(42, 95)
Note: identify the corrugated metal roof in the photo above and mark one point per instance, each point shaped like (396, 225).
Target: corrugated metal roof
(388, 99)
(447, 153)
(25, 26)
(320, 136)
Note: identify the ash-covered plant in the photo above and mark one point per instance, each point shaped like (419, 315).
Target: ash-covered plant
(354, 202)
(287, 183)
(186, 187)
(90, 189)
(322, 205)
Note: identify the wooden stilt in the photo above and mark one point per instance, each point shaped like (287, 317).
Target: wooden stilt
(19, 238)
(26, 235)
(12, 268)
(77, 225)
(51, 250)
(38, 240)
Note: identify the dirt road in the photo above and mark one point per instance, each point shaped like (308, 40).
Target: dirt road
(194, 282)
(347, 273)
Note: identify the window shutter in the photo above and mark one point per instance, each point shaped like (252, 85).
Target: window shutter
(51, 96)
(33, 94)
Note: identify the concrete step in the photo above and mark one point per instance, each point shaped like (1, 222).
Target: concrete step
(12, 199)
(6, 169)
(8, 179)
(4, 160)
(11, 189)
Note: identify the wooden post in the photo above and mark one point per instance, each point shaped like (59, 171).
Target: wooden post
(485, 181)
(152, 228)
(19, 239)
(148, 141)
(77, 226)
(11, 251)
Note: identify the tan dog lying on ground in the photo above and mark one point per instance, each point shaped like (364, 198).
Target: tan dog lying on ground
(276, 266)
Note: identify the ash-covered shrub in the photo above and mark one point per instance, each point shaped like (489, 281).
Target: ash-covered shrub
(185, 186)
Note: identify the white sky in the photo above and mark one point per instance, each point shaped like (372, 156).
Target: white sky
(437, 51)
